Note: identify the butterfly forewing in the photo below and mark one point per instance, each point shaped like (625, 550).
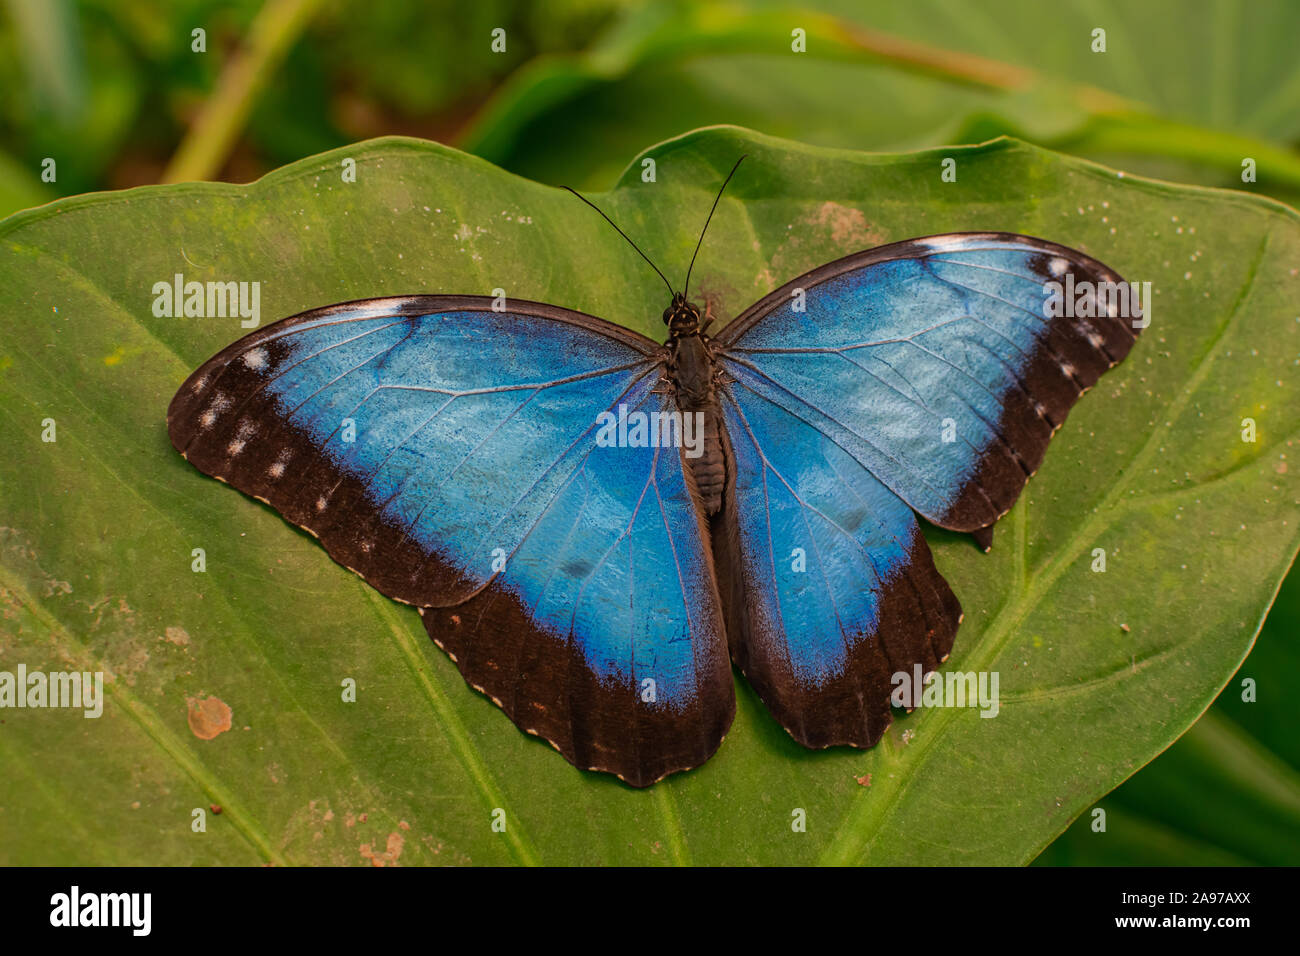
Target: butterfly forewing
(933, 362)
(412, 436)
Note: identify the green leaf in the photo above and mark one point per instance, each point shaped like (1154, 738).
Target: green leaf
(1228, 791)
(99, 526)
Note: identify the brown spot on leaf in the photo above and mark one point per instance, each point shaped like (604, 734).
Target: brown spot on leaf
(177, 636)
(390, 854)
(806, 242)
(846, 224)
(865, 780)
(208, 716)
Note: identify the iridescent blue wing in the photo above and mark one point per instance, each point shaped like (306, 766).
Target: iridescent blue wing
(933, 363)
(609, 637)
(829, 585)
(924, 375)
(447, 453)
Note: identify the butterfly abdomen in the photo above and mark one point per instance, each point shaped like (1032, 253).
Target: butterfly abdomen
(710, 469)
(692, 372)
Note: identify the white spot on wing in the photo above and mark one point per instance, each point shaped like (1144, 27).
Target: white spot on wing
(947, 243)
(218, 405)
(255, 358)
(278, 466)
(1058, 266)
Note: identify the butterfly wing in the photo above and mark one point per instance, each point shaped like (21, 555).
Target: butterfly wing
(933, 363)
(436, 447)
(831, 588)
(591, 647)
(922, 375)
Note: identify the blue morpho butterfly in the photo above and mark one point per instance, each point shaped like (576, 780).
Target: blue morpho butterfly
(594, 525)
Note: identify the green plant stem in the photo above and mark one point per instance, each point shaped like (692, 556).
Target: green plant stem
(209, 141)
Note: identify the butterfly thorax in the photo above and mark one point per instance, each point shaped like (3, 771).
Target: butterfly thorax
(690, 364)
(692, 373)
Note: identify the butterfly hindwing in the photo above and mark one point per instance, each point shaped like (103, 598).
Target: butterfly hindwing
(447, 453)
(834, 589)
(934, 362)
(603, 633)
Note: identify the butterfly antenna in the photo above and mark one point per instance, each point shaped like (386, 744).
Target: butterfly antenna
(624, 235)
(707, 221)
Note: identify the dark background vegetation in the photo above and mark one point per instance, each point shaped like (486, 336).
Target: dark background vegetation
(1185, 90)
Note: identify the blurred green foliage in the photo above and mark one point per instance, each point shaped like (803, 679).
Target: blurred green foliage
(1185, 90)
(109, 88)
